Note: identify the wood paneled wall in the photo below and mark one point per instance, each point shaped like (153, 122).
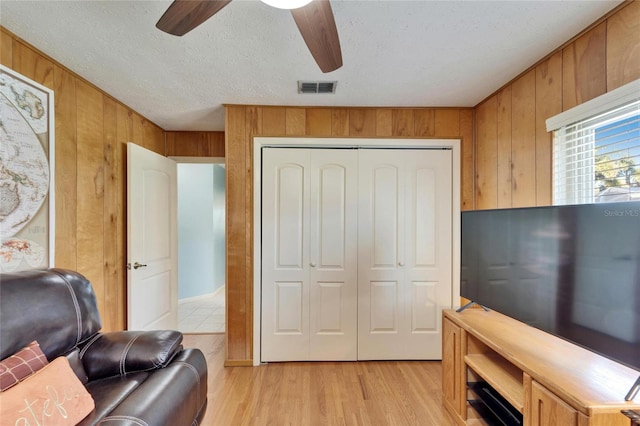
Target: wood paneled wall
(195, 144)
(245, 122)
(90, 165)
(511, 167)
(513, 162)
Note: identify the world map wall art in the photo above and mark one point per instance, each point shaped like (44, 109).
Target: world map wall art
(27, 150)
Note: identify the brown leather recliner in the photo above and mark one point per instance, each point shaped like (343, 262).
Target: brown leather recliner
(135, 377)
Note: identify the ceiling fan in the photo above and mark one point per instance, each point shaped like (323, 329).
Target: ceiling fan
(314, 19)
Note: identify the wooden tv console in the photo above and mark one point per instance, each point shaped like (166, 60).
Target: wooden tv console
(550, 381)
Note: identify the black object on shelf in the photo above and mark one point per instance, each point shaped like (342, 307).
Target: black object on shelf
(501, 410)
(634, 416)
(485, 414)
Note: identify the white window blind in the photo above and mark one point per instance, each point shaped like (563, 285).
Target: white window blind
(597, 159)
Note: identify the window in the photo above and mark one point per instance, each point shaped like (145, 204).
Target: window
(596, 154)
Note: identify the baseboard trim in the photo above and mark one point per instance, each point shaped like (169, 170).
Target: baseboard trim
(200, 297)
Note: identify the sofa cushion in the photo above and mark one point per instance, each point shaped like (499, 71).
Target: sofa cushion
(53, 395)
(109, 393)
(21, 365)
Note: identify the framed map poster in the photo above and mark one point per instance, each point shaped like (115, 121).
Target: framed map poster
(27, 207)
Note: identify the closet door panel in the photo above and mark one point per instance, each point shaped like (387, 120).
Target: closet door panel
(289, 213)
(285, 255)
(381, 249)
(384, 307)
(384, 209)
(333, 255)
(405, 265)
(428, 273)
(309, 282)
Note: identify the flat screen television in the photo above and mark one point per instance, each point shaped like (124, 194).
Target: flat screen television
(573, 271)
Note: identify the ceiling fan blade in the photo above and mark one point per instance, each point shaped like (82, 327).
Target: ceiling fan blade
(318, 28)
(184, 15)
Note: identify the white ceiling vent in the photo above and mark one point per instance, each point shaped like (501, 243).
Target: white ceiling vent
(317, 86)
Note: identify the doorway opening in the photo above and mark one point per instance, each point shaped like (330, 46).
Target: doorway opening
(201, 246)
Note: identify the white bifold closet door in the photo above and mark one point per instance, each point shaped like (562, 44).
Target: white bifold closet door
(404, 252)
(356, 253)
(309, 254)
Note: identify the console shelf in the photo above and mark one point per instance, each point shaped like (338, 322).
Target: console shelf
(501, 375)
(550, 381)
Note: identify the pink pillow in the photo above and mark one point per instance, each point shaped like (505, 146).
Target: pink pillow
(21, 365)
(52, 396)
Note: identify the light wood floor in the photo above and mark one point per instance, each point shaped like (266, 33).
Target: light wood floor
(321, 393)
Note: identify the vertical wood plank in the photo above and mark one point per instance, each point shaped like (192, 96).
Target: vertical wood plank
(504, 147)
(402, 122)
(584, 74)
(175, 144)
(66, 172)
(424, 122)
(569, 97)
(125, 125)
(447, 122)
(273, 121)
(548, 103)
(236, 278)
(295, 119)
(113, 296)
(486, 155)
(467, 163)
(137, 134)
(124, 117)
(90, 207)
(384, 122)
(523, 142)
(318, 122)
(6, 49)
(623, 46)
(362, 122)
(153, 137)
(32, 65)
(253, 126)
(339, 122)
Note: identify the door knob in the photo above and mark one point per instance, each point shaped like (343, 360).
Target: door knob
(312, 264)
(401, 263)
(136, 265)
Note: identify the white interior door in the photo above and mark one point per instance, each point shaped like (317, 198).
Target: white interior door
(309, 287)
(405, 259)
(152, 284)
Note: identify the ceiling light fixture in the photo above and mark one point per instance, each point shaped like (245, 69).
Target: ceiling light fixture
(286, 4)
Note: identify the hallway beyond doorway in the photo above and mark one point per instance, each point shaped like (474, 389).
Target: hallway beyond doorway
(204, 314)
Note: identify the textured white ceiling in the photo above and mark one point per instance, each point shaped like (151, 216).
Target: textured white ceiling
(396, 53)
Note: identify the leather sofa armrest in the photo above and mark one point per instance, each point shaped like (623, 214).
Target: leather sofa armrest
(123, 352)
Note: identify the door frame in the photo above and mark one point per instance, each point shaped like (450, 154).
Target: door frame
(304, 142)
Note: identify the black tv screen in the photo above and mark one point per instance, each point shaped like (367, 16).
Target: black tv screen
(573, 271)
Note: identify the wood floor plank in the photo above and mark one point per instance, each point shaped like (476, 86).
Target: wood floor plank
(368, 393)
